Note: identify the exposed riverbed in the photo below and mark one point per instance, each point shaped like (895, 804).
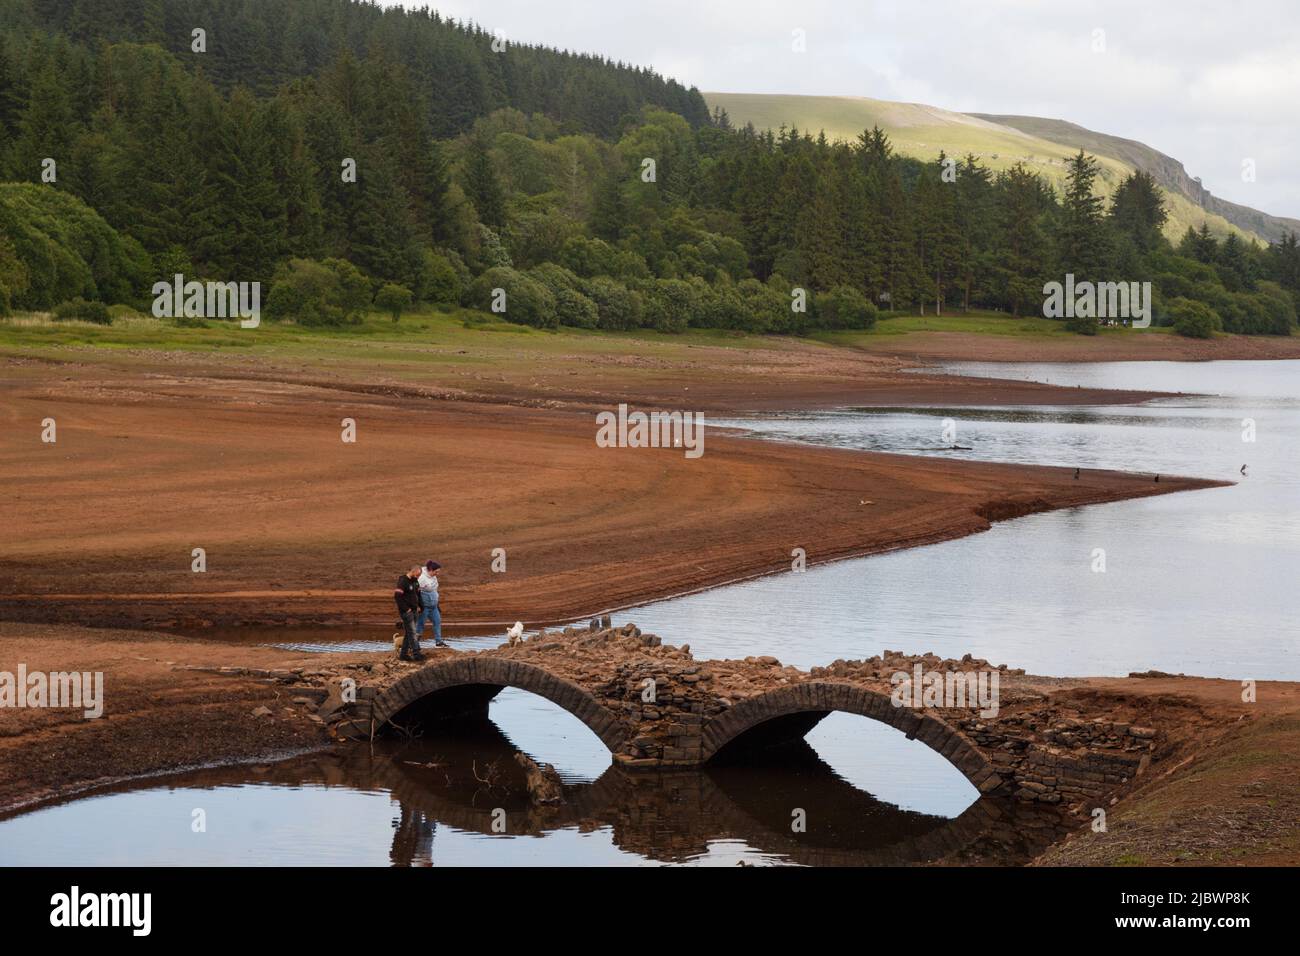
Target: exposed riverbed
(1196, 582)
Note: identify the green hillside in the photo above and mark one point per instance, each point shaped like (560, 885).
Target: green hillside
(1168, 172)
(923, 131)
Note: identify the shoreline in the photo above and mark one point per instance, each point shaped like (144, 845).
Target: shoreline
(947, 346)
(172, 711)
(548, 602)
(89, 789)
(243, 460)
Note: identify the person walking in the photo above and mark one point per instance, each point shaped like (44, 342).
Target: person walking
(407, 596)
(429, 610)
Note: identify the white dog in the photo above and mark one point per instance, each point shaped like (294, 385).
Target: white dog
(516, 633)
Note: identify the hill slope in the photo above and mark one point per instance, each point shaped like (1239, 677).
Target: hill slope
(1000, 142)
(1168, 172)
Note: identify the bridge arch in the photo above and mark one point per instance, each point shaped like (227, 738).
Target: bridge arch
(492, 675)
(818, 698)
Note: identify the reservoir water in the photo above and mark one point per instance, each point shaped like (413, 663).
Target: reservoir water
(1198, 582)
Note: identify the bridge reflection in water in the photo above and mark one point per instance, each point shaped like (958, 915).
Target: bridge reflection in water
(468, 779)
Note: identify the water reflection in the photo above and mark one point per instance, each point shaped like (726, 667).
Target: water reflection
(1198, 582)
(461, 797)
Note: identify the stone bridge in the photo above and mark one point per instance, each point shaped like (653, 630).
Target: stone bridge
(653, 705)
(1054, 741)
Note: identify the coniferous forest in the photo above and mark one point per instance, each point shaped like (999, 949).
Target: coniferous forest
(352, 158)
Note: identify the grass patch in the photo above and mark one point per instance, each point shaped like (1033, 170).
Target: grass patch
(377, 336)
(483, 323)
(1031, 327)
(425, 337)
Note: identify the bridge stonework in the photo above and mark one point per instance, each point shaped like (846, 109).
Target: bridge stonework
(653, 705)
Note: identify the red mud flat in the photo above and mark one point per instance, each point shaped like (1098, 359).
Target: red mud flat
(159, 715)
(776, 374)
(158, 456)
(301, 528)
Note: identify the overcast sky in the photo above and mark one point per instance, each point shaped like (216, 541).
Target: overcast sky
(1209, 83)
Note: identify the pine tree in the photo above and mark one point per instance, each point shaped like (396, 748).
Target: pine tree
(1022, 252)
(13, 94)
(46, 127)
(609, 213)
(1137, 210)
(1284, 258)
(860, 228)
(250, 218)
(382, 238)
(1081, 234)
(819, 235)
(422, 169)
(899, 267)
(974, 227)
(482, 186)
(874, 149)
(1233, 266)
(936, 231)
(1205, 248)
(295, 171)
(792, 229)
(756, 179)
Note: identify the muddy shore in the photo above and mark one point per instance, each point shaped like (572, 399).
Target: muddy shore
(926, 347)
(162, 453)
(298, 527)
(163, 715)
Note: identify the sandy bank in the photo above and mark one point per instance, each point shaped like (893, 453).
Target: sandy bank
(298, 526)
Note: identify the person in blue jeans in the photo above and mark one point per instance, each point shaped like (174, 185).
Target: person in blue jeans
(429, 610)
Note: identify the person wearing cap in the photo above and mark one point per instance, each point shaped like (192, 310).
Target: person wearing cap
(429, 610)
(407, 596)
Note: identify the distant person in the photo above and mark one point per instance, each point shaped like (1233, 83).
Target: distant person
(429, 610)
(407, 596)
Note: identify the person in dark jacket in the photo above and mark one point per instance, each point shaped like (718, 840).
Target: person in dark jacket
(407, 597)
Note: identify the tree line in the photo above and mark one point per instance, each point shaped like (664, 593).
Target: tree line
(350, 156)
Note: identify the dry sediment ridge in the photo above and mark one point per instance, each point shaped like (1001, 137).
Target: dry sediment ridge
(301, 529)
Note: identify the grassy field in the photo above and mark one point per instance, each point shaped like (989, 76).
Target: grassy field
(922, 131)
(375, 334)
(1028, 327)
(460, 327)
(473, 352)
(467, 337)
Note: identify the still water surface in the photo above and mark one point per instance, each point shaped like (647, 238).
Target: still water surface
(1199, 582)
